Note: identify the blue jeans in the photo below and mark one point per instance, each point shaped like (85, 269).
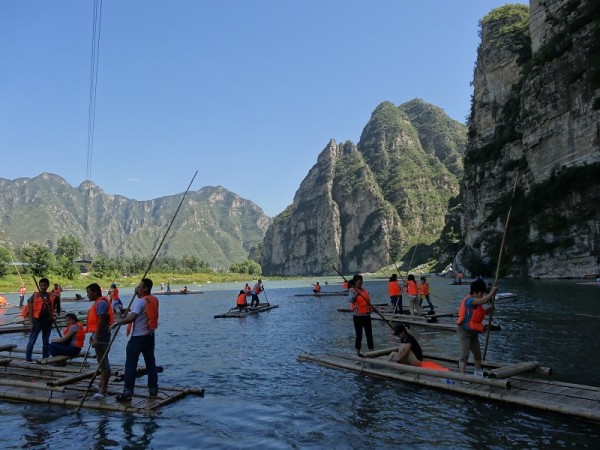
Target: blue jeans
(58, 349)
(145, 346)
(45, 326)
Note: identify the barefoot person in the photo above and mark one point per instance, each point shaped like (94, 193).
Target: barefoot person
(409, 351)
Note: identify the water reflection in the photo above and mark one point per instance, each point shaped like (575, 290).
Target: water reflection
(138, 431)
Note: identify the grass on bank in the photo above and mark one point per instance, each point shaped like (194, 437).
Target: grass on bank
(11, 283)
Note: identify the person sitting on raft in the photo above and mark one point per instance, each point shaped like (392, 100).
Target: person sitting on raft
(183, 290)
(409, 352)
(73, 338)
(317, 288)
(241, 300)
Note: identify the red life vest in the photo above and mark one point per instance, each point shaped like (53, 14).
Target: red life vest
(151, 313)
(411, 288)
(38, 305)
(79, 336)
(471, 319)
(393, 288)
(317, 287)
(241, 299)
(22, 291)
(92, 318)
(362, 305)
(424, 288)
(346, 284)
(115, 293)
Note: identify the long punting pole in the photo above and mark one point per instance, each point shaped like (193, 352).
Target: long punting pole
(487, 334)
(116, 332)
(370, 304)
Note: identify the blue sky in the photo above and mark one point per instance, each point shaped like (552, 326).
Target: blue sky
(247, 92)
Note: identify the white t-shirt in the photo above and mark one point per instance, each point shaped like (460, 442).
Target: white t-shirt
(140, 324)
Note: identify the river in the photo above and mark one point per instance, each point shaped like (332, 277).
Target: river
(259, 396)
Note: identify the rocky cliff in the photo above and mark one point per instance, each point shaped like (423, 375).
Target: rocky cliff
(362, 206)
(214, 224)
(535, 115)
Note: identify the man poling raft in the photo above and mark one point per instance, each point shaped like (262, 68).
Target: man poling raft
(255, 292)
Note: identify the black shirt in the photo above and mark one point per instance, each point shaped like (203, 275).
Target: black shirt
(414, 345)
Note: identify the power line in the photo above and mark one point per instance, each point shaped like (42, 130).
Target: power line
(97, 22)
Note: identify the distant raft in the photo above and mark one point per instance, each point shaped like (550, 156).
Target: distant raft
(324, 294)
(177, 292)
(249, 311)
(505, 297)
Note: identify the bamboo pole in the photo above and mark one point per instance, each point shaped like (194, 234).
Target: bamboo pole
(31, 385)
(74, 378)
(514, 369)
(118, 327)
(487, 334)
(435, 373)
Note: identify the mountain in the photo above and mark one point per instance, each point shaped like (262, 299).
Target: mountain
(364, 205)
(214, 224)
(535, 116)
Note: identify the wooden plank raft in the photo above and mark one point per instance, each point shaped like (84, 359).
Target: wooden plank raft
(516, 386)
(236, 312)
(66, 385)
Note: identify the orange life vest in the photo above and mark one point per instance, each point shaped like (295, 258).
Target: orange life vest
(393, 288)
(151, 313)
(247, 289)
(362, 305)
(56, 292)
(79, 336)
(346, 284)
(472, 318)
(411, 288)
(92, 318)
(22, 291)
(38, 305)
(241, 300)
(424, 288)
(317, 287)
(115, 293)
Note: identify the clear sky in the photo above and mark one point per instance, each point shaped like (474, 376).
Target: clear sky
(247, 92)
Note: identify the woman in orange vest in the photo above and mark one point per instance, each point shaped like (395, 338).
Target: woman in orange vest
(424, 294)
(22, 292)
(395, 293)
(71, 343)
(361, 306)
(241, 300)
(40, 310)
(412, 292)
(470, 323)
(316, 288)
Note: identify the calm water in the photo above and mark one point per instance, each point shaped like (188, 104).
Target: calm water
(259, 396)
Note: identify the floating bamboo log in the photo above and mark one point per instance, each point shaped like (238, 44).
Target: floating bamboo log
(434, 373)
(513, 369)
(31, 385)
(7, 347)
(72, 379)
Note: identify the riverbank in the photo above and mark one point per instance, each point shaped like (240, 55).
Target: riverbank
(10, 284)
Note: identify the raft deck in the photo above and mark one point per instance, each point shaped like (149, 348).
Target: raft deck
(64, 381)
(249, 311)
(517, 384)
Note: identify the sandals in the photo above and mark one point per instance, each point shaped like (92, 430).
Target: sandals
(122, 398)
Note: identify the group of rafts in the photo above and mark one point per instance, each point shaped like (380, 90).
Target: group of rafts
(523, 383)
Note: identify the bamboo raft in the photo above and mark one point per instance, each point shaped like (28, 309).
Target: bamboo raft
(22, 325)
(58, 381)
(505, 297)
(249, 311)
(324, 294)
(189, 292)
(520, 384)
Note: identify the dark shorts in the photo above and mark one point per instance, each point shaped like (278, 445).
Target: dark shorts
(100, 351)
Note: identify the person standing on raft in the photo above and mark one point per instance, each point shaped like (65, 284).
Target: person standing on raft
(395, 293)
(256, 290)
(470, 323)
(22, 292)
(40, 310)
(424, 294)
(412, 292)
(360, 304)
